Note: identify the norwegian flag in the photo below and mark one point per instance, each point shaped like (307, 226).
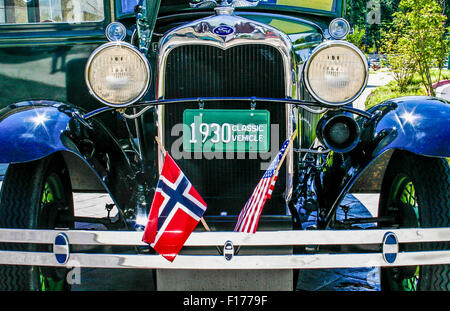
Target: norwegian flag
(175, 212)
(249, 216)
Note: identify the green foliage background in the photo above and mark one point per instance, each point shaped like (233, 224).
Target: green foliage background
(356, 12)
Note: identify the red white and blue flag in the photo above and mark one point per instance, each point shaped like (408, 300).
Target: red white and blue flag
(175, 212)
(248, 218)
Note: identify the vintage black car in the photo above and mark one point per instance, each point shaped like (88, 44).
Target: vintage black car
(87, 85)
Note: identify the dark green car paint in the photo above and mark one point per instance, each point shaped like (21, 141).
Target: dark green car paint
(47, 60)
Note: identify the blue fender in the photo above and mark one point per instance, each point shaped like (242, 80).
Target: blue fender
(33, 130)
(417, 124)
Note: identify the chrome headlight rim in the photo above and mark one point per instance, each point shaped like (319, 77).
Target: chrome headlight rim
(122, 44)
(325, 45)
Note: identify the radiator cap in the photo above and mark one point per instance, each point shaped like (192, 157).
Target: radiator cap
(224, 10)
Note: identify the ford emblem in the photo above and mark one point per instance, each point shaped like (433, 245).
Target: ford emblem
(223, 30)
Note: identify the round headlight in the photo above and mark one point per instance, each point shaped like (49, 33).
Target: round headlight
(336, 73)
(117, 74)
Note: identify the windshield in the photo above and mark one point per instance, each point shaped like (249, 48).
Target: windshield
(127, 6)
(331, 7)
(50, 11)
(322, 5)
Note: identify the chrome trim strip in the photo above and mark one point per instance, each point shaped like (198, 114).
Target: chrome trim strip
(246, 31)
(319, 261)
(265, 238)
(218, 238)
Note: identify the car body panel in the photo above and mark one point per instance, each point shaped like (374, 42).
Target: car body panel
(46, 60)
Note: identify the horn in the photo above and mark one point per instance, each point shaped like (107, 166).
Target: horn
(338, 132)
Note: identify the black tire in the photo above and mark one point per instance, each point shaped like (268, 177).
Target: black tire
(35, 195)
(416, 192)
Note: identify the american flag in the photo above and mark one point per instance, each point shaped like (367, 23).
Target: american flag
(249, 216)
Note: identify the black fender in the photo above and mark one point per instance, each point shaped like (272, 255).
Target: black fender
(34, 130)
(417, 124)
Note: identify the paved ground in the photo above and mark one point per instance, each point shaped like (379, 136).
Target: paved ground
(376, 78)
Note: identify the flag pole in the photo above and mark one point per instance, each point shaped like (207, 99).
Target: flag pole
(161, 147)
(285, 153)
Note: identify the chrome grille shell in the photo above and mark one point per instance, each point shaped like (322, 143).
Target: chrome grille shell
(245, 32)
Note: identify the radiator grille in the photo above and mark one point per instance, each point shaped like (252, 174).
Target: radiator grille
(206, 71)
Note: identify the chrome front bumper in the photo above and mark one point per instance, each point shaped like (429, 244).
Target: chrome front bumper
(235, 261)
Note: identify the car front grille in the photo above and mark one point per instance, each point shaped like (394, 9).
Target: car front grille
(242, 71)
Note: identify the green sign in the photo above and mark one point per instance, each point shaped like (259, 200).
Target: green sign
(226, 130)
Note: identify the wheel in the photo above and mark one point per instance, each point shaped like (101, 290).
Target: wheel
(36, 195)
(415, 192)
